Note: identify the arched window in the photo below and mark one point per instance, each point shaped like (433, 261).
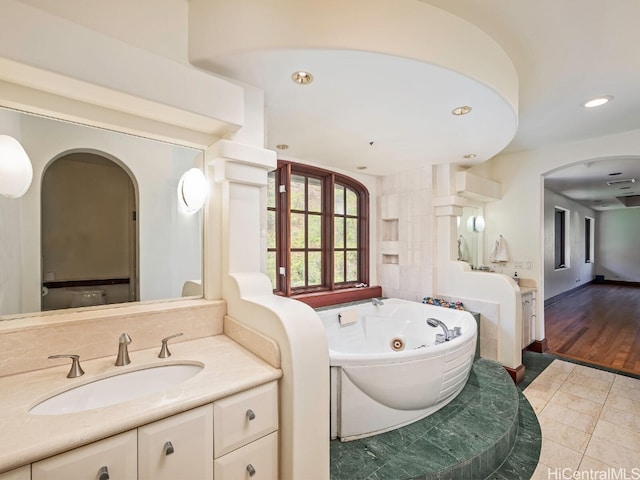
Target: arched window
(318, 230)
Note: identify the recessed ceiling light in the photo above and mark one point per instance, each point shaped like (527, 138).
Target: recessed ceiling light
(598, 101)
(615, 173)
(625, 188)
(282, 146)
(470, 155)
(462, 110)
(302, 77)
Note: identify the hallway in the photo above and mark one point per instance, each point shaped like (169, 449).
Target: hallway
(599, 324)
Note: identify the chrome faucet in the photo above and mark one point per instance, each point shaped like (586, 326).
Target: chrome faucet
(123, 351)
(377, 302)
(448, 334)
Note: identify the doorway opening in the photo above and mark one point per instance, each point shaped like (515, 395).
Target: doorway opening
(89, 232)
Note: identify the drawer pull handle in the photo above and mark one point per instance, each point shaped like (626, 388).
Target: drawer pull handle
(250, 414)
(168, 448)
(103, 473)
(251, 470)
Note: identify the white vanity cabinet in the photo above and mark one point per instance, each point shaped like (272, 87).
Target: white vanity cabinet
(112, 458)
(180, 446)
(22, 473)
(528, 316)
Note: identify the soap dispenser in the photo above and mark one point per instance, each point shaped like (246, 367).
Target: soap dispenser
(516, 278)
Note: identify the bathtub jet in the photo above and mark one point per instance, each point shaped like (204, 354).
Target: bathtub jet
(376, 388)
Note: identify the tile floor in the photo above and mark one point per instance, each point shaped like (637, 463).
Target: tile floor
(590, 422)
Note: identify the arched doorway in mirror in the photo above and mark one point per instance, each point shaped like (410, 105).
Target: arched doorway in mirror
(89, 232)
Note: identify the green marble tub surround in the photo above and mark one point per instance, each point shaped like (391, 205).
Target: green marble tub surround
(470, 438)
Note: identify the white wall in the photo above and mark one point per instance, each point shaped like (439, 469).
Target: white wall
(617, 255)
(578, 272)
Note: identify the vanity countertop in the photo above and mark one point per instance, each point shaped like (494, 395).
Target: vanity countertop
(26, 438)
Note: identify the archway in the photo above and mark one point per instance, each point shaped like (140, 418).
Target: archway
(89, 232)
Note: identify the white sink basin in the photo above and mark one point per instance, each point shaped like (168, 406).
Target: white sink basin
(116, 389)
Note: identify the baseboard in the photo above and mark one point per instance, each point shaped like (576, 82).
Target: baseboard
(560, 296)
(538, 346)
(517, 374)
(622, 282)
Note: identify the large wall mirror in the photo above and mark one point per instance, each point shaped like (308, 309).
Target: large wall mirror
(101, 223)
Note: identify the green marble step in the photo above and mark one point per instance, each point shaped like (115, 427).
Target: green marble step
(523, 458)
(467, 439)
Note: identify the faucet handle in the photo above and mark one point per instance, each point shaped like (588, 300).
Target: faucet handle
(164, 350)
(76, 369)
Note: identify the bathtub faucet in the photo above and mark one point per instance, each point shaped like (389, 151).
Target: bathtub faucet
(448, 334)
(377, 302)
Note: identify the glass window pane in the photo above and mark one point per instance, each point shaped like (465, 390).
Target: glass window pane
(315, 195)
(338, 232)
(298, 269)
(297, 192)
(271, 268)
(315, 231)
(271, 189)
(315, 268)
(352, 266)
(338, 199)
(352, 233)
(338, 267)
(352, 202)
(297, 230)
(271, 229)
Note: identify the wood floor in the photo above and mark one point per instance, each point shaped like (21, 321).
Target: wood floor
(599, 324)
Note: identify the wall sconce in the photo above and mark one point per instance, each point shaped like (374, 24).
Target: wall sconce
(16, 172)
(192, 190)
(475, 224)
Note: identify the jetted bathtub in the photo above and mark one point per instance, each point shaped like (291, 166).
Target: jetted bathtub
(386, 368)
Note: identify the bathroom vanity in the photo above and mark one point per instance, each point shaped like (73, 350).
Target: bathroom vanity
(220, 423)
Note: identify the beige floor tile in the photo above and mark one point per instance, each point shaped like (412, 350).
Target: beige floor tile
(585, 391)
(593, 465)
(618, 434)
(542, 472)
(562, 434)
(578, 377)
(558, 456)
(561, 365)
(553, 381)
(594, 373)
(567, 416)
(604, 450)
(621, 417)
(540, 390)
(579, 404)
(622, 403)
(538, 403)
(625, 391)
(627, 381)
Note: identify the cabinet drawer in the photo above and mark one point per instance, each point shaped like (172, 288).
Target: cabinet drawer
(244, 417)
(256, 461)
(177, 447)
(117, 454)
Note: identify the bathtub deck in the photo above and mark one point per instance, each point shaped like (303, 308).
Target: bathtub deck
(467, 439)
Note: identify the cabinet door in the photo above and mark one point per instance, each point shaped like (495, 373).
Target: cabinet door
(244, 417)
(178, 447)
(114, 457)
(22, 473)
(255, 461)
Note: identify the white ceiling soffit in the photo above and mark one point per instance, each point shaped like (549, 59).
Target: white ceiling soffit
(387, 75)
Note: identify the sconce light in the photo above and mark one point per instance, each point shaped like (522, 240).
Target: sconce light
(16, 171)
(475, 224)
(192, 190)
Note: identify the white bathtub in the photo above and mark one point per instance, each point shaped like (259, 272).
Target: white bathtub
(374, 388)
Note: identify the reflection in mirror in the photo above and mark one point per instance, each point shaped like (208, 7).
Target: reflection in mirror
(101, 222)
(470, 240)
